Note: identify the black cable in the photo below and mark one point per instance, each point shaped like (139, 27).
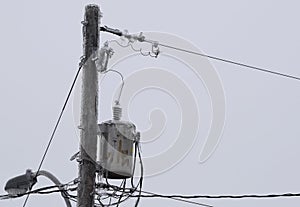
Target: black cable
(191, 202)
(110, 30)
(56, 126)
(229, 61)
(155, 195)
(123, 192)
(142, 176)
(134, 164)
(43, 190)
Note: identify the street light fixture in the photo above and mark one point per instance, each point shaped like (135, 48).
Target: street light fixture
(20, 184)
(23, 183)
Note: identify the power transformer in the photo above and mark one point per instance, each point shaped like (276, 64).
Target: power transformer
(116, 144)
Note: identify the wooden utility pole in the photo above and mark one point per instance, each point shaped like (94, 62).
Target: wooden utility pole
(89, 112)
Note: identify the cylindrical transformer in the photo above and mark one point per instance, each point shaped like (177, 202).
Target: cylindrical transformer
(116, 142)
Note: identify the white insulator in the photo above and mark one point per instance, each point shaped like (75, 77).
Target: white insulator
(117, 112)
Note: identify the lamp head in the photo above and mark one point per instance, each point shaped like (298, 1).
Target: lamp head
(20, 184)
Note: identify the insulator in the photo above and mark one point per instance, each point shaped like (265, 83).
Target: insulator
(117, 112)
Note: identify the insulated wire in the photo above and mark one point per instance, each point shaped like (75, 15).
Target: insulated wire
(134, 164)
(120, 198)
(142, 176)
(44, 190)
(154, 195)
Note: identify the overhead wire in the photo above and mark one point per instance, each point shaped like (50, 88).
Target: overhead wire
(141, 38)
(177, 199)
(226, 60)
(155, 195)
(125, 191)
(141, 179)
(57, 124)
(43, 190)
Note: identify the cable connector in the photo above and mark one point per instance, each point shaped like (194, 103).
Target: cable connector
(102, 57)
(155, 49)
(134, 37)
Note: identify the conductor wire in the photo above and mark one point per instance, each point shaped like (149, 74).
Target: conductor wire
(122, 84)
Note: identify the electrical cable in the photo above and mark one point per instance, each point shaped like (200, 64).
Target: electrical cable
(227, 61)
(120, 198)
(142, 39)
(154, 195)
(43, 190)
(134, 164)
(192, 202)
(142, 175)
(56, 125)
(123, 82)
(177, 199)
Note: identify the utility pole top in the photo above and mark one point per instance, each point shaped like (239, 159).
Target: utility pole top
(90, 25)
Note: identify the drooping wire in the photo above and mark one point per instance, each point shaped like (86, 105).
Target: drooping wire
(149, 53)
(120, 198)
(134, 164)
(142, 175)
(56, 125)
(122, 84)
(153, 53)
(124, 46)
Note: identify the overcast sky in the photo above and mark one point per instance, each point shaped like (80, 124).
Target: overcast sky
(41, 43)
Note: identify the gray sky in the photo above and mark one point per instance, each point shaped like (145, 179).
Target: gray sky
(41, 43)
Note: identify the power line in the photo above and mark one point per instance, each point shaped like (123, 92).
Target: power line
(231, 62)
(56, 125)
(191, 202)
(155, 195)
(43, 190)
(142, 38)
(177, 199)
